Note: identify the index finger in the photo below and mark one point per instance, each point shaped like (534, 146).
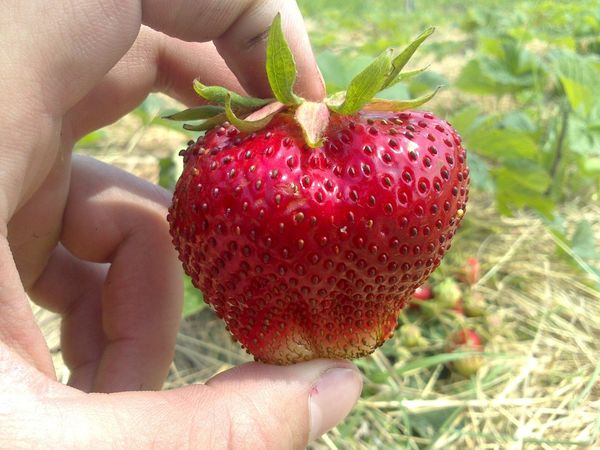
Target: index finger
(239, 30)
(243, 47)
(96, 35)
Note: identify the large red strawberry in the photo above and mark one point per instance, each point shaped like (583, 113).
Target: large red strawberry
(307, 226)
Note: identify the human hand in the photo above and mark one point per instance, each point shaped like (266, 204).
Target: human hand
(90, 242)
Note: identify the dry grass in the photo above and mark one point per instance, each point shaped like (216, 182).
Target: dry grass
(539, 388)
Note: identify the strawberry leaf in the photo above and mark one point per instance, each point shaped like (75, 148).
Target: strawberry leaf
(218, 94)
(379, 104)
(365, 85)
(198, 113)
(281, 67)
(405, 76)
(313, 118)
(206, 124)
(400, 61)
(247, 126)
(335, 100)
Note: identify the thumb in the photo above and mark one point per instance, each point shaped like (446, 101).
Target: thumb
(291, 405)
(251, 406)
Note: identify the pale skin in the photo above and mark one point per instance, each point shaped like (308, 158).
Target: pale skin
(75, 233)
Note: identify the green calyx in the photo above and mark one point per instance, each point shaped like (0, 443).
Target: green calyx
(250, 114)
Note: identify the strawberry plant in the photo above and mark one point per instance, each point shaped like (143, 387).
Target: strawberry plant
(466, 340)
(308, 225)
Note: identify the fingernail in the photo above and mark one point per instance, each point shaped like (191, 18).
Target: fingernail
(331, 399)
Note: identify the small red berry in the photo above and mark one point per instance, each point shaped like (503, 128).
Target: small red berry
(470, 272)
(474, 304)
(423, 292)
(466, 340)
(447, 293)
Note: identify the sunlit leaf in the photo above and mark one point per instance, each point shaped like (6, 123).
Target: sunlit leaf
(366, 84)
(281, 68)
(503, 144)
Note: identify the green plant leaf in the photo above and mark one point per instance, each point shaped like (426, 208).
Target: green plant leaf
(434, 360)
(197, 113)
(403, 76)
(398, 105)
(580, 78)
(502, 145)
(366, 84)
(467, 119)
(425, 82)
(167, 177)
(333, 70)
(248, 126)
(584, 243)
(485, 76)
(577, 250)
(281, 68)
(500, 73)
(591, 166)
(206, 124)
(433, 423)
(472, 79)
(519, 121)
(193, 300)
(479, 173)
(91, 139)
(150, 108)
(523, 174)
(400, 61)
(218, 94)
(584, 133)
(511, 197)
(338, 70)
(335, 100)
(394, 92)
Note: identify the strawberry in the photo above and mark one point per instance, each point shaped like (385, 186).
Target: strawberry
(307, 225)
(459, 308)
(467, 340)
(474, 304)
(421, 294)
(447, 294)
(470, 272)
(411, 336)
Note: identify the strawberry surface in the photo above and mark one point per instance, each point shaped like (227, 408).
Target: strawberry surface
(312, 252)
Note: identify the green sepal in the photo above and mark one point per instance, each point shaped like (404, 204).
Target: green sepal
(313, 118)
(248, 126)
(406, 75)
(380, 104)
(400, 61)
(218, 94)
(197, 113)
(365, 85)
(206, 124)
(335, 100)
(281, 67)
